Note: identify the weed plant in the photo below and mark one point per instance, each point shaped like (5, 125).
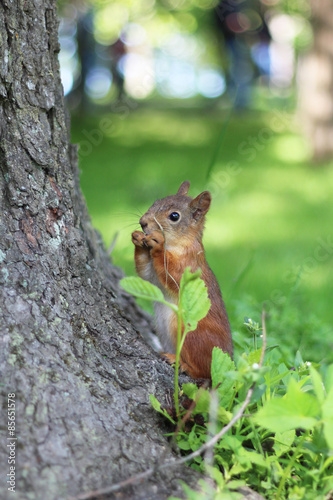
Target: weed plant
(282, 445)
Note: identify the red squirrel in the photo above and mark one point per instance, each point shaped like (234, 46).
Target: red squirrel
(170, 241)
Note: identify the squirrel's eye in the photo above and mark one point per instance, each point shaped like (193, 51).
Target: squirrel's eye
(174, 216)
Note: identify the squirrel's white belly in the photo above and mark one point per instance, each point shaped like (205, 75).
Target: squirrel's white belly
(163, 314)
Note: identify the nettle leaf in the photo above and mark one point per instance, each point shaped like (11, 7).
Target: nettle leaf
(189, 276)
(194, 300)
(221, 365)
(283, 442)
(143, 289)
(157, 407)
(296, 409)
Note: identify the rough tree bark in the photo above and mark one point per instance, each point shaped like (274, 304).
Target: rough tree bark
(69, 346)
(316, 83)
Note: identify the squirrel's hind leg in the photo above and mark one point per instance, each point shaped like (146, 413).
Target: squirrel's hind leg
(190, 370)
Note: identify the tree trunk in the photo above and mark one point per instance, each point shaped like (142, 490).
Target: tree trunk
(69, 348)
(316, 83)
(71, 355)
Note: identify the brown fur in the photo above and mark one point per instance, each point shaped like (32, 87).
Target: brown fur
(162, 252)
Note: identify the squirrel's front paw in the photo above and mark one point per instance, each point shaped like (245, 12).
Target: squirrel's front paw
(169, 358)
(138, 238)
(154, 239)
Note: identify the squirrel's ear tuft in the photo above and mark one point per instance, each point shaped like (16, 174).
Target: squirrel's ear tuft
(200, 205)
(184, 187)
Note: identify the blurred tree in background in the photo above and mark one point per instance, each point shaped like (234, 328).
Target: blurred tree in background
(176, 49)
(173, 48)
(316, 82)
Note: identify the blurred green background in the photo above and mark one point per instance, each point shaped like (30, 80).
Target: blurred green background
(268, 236)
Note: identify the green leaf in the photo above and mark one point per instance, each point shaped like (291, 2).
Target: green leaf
(143, 289)
(157, 407)
(329, 378)
(296, 409)
(155, 403)
(246, 457)
(221, 365)
(327, 412)
(318, 442)
(223, 415)
(271, 347)
(203, 402)
(190, 390)
(318, 385)
(184, 444)
(328, 432)
(283, 442)
(284, 373)
(193, 297)
(188, 276)
(236, 484)
(217, 475)
(230, 442)
(327, 463)
(203, 398)
(195, 440)
(254, 357)
(298, 359)
(238, 468)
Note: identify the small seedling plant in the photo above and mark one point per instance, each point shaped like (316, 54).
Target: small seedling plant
(282, 445)
(193, 305)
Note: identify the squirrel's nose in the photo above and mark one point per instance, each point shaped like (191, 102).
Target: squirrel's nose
(143, 224)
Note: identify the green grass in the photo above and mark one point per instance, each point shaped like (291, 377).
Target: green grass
(272, 210)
